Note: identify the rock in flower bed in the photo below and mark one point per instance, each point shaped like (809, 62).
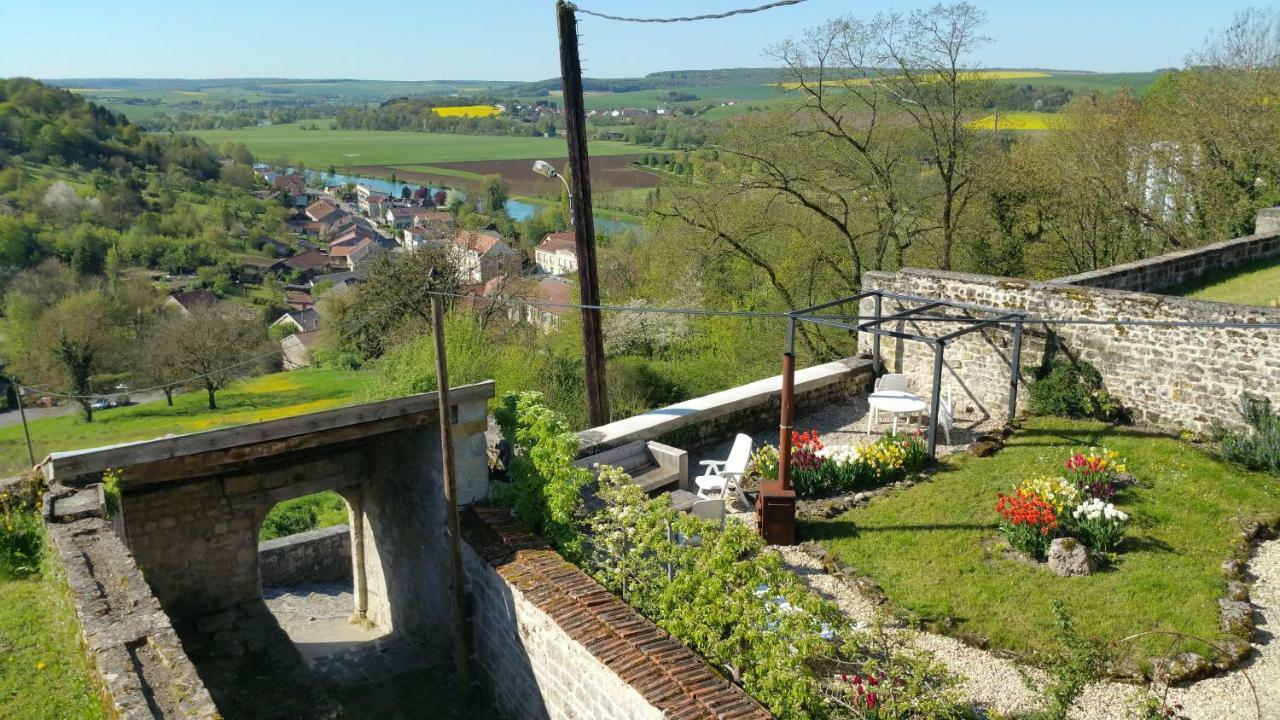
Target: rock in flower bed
(1044, 511)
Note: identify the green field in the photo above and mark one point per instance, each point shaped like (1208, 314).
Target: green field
(263, 398)
(324, 148)
(1257, 283)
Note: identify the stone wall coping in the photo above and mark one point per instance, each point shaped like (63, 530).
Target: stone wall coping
(1124, 268)
(656, 423)
(669, 675)
(302, 538)
(1147, 303)
(271, 437)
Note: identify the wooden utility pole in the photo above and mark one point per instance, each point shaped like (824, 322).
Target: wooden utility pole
(584, 230)
(461, 638)
(22, 414)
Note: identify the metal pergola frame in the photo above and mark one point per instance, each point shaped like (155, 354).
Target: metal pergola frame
(875, 327)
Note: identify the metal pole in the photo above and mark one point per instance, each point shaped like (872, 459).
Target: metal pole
(936, 402)
(26, 432)
(461, 641)
(1015, 371)
(875, 341)
(788, 397)
(584, 230)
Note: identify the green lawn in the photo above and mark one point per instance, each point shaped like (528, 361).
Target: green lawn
(263, 398)
(323, 148)
(1257, 283)
(934, 549)
(44, 675)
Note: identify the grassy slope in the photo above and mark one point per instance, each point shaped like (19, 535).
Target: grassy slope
(931, 546)
(322, 148)
(1257, 283)
(263, 398)
(43, 673)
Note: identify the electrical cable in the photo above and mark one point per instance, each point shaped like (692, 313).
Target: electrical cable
(692, 18)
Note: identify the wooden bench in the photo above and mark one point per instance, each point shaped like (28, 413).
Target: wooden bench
(653, 466)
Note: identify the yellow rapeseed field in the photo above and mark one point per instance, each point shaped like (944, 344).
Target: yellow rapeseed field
(467, 111)
(1018, 121)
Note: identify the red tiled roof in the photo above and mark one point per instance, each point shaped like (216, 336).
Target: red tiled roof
(555, 242)
(308, 260)
(554, 290)
(321, 209)
(483, 242)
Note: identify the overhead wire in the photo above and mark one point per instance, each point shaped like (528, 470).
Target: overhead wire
(691, 18)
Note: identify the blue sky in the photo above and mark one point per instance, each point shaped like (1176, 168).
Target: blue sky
(515, 39)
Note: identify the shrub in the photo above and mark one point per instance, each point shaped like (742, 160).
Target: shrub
(312, 512)
(1073, 389)
(21, 538)
(1257, 448)
(545, 489)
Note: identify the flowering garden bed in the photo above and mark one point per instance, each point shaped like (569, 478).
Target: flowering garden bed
(936, 548)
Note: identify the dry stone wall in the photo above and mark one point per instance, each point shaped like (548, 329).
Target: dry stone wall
(1171, 378)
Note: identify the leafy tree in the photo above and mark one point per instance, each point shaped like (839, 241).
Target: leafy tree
(493, 196)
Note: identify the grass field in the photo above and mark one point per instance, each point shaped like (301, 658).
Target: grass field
(263, 398)
(934, 548)
(1257, 283)
(43, 673)
(339, 148)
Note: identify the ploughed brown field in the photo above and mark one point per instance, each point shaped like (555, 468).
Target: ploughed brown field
(608, 172)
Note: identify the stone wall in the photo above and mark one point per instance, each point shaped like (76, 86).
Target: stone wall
(704, 421)
(1170, 378)
(1164, 272)
(138, 659)
(315, 556)
(550, 642)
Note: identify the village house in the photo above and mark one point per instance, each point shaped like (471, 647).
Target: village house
(299, 299)
(557, 254)
(323, 211)
(308, 263)
(300, 320)
(399, 218)
(297, 349)
(351, 255)
(371, 202)
(549, 290)
(482, 256)
(429, 227)
(322, 285)
(188, 300)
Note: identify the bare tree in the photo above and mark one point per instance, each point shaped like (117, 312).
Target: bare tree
(213, 345)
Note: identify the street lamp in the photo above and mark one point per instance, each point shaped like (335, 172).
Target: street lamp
(546, 169)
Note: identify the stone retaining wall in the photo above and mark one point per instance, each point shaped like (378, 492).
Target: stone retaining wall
(550, 642)
(138, 658)
(1164, 272)
(315, 556)
(704, 421)
(1170, 378)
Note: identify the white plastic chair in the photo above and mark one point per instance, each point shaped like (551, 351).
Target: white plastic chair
(723, 475)
(712, 509)
(947, 414)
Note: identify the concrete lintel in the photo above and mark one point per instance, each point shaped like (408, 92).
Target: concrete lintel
(236, 444)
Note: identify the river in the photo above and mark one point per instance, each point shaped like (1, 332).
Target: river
(517, 209)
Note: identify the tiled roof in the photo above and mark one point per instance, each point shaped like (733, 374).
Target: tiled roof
(482, 241)
(308, 260)
(554, 290)
(191, 298)
(556, 242)
(321, 210)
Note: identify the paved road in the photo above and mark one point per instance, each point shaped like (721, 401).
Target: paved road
(34, 413)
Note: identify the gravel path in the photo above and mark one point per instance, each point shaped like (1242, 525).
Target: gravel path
(999, 684)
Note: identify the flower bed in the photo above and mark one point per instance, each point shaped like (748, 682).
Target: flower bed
(1075, 504)
(818, 470)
